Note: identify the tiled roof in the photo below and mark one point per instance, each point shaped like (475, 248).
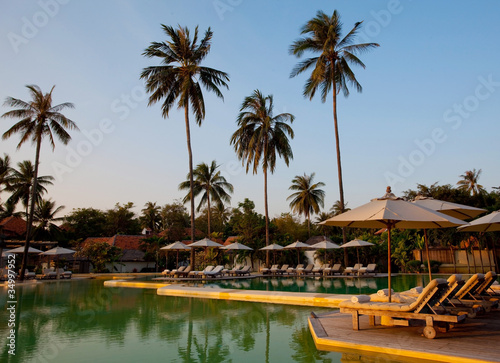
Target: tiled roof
(90, 240)
(13, 226)
(132, 255)
(231, 239)
(187, 233)
(126, 242)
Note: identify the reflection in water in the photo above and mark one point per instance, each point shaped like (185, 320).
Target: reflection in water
(82, 321)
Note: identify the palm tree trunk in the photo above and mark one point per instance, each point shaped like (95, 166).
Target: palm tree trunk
(467, 256)
(188, 137)
(34, 187)
(266, 212)
(339, 163)
(208, 212)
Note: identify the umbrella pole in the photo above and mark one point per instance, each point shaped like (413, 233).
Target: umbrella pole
(389, 260)
(177, 259)
(427, 252)
(298, 257)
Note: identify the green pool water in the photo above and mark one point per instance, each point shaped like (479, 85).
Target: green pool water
(83, 321)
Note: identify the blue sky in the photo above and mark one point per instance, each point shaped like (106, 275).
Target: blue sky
(428, 111)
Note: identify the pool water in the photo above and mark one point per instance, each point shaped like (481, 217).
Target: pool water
(83, 321)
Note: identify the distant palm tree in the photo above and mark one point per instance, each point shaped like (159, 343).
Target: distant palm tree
(178, 78)
(261, 135)
(323, 216)
(331, 70)
(5, 171)
(308, 198)
(151, 216)
(469, 182)
(39, 119)
(21, 182)
(338, 208)
(209, 181)
(44, 217)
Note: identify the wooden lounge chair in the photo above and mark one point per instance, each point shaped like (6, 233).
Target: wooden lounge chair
(232, 272)
(306, 270)
(353, 270)
(29, 275)
(275, 270)
(196, 273)
(470, 294)
(48, 274)
(370, 269)
(267, 271)
(283, 269)
(403, 313)
(175, 271)
(184, 272)
(244, 271)
(319, 269)
(336, 269)
(64, 274)
(293, 271)
(217, 271)
(484, 289)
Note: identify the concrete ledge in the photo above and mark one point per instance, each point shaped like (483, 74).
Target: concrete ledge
(134, 284)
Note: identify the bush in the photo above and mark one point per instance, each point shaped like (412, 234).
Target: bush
(434, 266)
(414, 266)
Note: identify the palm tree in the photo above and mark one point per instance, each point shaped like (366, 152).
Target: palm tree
(5, 171)
(209, 181)
(262, 136)
(39, 119)
(308, 198)
(178, 78)
(151, 216)
(338, 208)
(21, 182)
(469, 182)
(44, 217)
(331, 70)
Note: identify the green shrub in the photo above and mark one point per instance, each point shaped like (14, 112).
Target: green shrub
(414, 266)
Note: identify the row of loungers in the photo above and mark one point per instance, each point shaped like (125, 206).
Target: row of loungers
(323, 270)
(209, 271)
(442, 303)
(29, 275)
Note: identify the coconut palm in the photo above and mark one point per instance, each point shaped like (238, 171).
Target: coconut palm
(177, 80)
(21, 181)
(5, 171)
(308, 198)
(331, 68)
(45, 216)
(261, 136)
(39, 120)
(469, 182)
(338, 208)
(151, 216)
(209, 181)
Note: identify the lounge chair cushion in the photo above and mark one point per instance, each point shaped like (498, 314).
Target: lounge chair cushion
(360, 298)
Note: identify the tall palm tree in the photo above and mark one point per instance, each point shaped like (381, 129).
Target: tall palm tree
(21, 182)
(39, 120)
(308, 198)
(209, 181)
(177, 80)
(262, 136)
(45, 216)
(331, 69)
(5, 171)
(469, 182)
(151, 216)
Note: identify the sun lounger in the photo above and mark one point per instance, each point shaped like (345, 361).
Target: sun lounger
(184, 273)
(293, 271)
(196, 273)
(176, 271)
(217, 271)
(403, 314)
(244, 271)
(471, 294)
(48, 274)
(267, 271)
(306, 270)
(64, 274)
(370, 269)
(284, 269)
(489, 279)
(353, 270)
(319, 269)
(29, 275)
(332, 270)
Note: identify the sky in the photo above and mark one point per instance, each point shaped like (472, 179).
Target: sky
(428, 111)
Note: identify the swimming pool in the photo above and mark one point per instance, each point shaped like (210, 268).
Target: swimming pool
(83, 321)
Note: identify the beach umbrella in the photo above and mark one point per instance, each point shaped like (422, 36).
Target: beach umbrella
(325, 245)
(21, 250)
(455, 210)
(298, 245)
(391, 212)
(273, 247)
(356, 243)
(176, 246)
(236, 246)
(205, 243)
(57, 251)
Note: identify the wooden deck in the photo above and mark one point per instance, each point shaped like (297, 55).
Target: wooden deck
(475, 340)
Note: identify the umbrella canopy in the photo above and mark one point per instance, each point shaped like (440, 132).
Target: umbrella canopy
(488, 223)
(57, 251)
(392, 212)
(298, 245)
(176, 246)
(325, 245)
(205, 242)
(6, 253)
(21, 250)
(236, 246)
(356, 243)
(455, 210)
(273, 247)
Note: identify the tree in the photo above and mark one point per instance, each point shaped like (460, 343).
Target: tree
(469, 182)
(174, 219)
(39, 120)
(5, 171)
(331, 70)
(261, 137)
(21, 182)
(308, 198)
(99, 253)
(178, 78)
(86, 222)
(151, 217)
(121, 220)
(209, 181)
(45, 217)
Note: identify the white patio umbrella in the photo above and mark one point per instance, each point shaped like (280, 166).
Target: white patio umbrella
(21, 250)
(356, 243)
(176, 246)
(56, 251)
(297, 245)
(236, 246)
(325, 245)
(392, 212)
(205, 243)
(455, 210)
(272, 247)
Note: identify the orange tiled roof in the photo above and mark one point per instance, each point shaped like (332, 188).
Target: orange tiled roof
(90, 240)
(126, 242)
(13, 226)
(231, 239)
